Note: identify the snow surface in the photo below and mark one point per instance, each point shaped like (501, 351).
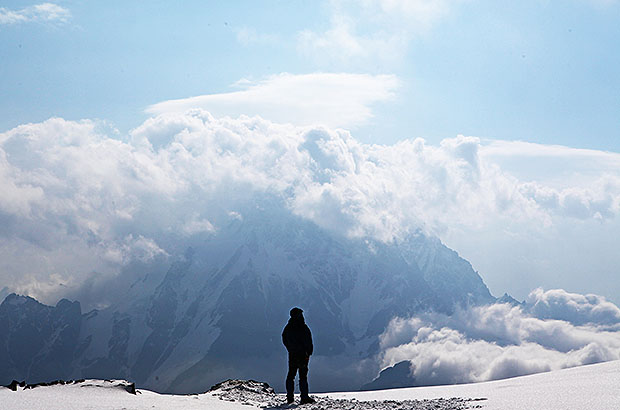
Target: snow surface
(595, 387)
(101, 395)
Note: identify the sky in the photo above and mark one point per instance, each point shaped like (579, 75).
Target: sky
(493, 124)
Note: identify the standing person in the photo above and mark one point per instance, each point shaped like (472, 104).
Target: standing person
(298, 341)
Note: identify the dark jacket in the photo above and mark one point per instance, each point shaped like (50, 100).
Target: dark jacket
(297, 337)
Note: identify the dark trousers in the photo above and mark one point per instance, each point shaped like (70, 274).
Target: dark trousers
(297, 362)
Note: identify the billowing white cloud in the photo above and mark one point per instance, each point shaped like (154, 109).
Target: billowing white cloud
(499, 341)
(79, 189)
(573, 307)
(574, 195)
(330, 99)
(40, 13)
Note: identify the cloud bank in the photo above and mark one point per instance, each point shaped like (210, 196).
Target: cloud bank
(39, 13)
(554, 330)
(81, 202)
(329, 99)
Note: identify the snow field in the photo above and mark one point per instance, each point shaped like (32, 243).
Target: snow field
(592, 387)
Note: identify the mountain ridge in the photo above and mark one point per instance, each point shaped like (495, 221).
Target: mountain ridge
(218, 310)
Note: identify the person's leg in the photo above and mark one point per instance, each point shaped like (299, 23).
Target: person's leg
(303, 379)
(290, 380)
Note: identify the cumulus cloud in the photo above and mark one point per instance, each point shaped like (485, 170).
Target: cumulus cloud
(330, 99)
(39, 13)
(573, 307)
(79, 198)
(554, 330)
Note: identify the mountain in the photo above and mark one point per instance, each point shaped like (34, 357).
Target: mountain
(392, 377)
(219, 309)
(36, 341)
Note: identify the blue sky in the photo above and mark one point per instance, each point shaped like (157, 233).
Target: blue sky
(539, 71)
(517, 103)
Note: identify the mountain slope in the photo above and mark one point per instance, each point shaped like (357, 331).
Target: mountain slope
(219, 309)
(38, 342)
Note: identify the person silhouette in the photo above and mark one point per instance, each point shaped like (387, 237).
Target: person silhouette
(297, 339)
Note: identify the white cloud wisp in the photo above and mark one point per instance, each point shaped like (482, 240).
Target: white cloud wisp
(39, 13)
(371, 30)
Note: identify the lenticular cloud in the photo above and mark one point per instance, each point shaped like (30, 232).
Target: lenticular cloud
(552, 330)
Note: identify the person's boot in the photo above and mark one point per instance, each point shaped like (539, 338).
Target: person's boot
(307, 400)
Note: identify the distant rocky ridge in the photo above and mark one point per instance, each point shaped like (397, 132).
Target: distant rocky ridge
(396, 376)
(38, 342)
(219, 309)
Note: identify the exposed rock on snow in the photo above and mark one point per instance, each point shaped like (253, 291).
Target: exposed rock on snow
(15, 384)
(121, 384)
(247, 392)
(253, 393)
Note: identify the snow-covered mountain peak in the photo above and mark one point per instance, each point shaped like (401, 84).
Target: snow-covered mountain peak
(217, 308)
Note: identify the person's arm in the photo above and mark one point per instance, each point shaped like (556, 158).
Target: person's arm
(285, 338)
(309, 346)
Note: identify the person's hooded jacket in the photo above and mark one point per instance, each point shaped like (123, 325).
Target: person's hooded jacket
(297, 337)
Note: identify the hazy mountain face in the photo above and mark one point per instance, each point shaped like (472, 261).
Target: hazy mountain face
(38, 342)
(218, 310)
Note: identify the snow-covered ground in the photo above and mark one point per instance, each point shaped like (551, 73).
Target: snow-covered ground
(593, 387)
(100, 395)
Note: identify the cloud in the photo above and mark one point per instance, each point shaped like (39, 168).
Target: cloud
(530, 149)
(78, 188)
(500, 341)
(550, 158)
(371, 30)
(133, 248)
(249, 36)
(197, 225)
(39, 13)
(334, 100)
(573, 307)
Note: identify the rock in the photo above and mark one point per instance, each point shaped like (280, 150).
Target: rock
(131, 388)
(13, 385)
